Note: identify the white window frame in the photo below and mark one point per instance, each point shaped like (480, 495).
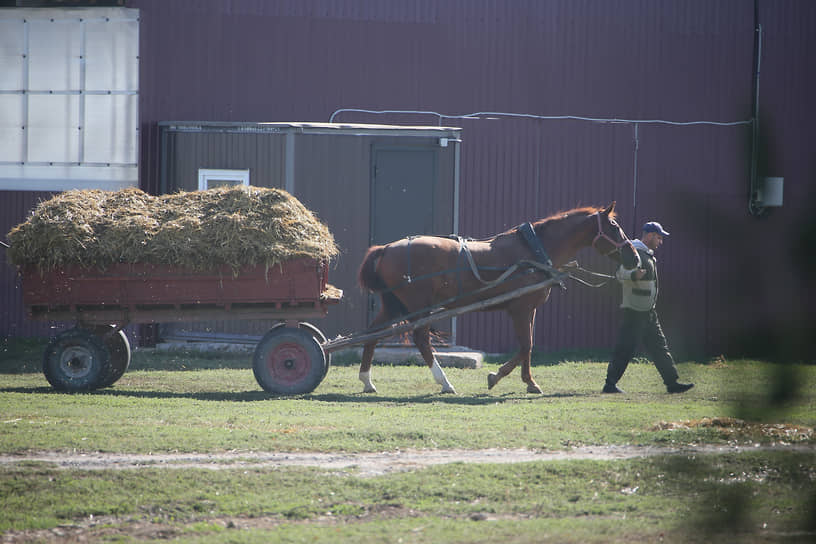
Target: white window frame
(207, 174)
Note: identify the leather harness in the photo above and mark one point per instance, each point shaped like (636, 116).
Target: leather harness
(529, 236)
(527, 233)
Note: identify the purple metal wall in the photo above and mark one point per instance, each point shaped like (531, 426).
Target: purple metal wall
(300, 60)
(14, 207)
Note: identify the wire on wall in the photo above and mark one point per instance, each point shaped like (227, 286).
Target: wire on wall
(494, 115)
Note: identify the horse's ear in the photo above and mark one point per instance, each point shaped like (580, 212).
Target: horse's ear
(609, 209)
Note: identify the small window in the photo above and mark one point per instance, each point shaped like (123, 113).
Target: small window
(210, 178)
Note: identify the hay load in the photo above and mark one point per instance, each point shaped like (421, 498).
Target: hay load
(202, 230)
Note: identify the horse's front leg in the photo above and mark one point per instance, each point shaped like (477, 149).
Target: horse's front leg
(524, 331)
(523, 324)
(422, 340)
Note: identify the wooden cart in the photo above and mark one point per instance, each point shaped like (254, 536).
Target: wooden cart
(288, 360)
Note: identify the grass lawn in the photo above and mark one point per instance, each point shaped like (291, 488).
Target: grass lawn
(187, 402)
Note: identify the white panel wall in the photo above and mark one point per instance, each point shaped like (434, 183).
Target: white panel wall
(69, 96)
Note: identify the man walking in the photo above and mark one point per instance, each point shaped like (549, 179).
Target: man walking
(640, 323)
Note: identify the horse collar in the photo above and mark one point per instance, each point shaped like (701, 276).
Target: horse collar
(528, 234)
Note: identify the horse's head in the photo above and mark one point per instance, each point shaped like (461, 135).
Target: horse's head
(610, 238)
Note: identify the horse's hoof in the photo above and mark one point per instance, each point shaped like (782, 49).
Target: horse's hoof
(447, 390)
(370, 389)
(534, 388)
(492, 379)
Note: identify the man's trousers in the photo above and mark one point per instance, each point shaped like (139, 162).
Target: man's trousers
(641, 328)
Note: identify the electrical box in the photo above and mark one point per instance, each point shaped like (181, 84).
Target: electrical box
(769, 192)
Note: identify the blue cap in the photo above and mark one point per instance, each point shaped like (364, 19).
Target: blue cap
(654, 226)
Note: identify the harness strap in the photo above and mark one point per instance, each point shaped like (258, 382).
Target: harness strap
(463, 249)
(407, 276)
(528, 234)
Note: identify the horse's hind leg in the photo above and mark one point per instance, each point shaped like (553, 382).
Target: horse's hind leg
(422, 340)
(365, 368)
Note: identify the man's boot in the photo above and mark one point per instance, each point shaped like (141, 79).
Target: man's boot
(678, 387)
(611, 388)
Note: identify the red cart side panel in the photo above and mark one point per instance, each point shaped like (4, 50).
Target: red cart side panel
(296, 281)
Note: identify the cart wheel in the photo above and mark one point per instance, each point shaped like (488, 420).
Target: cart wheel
(76, 360)
(318, 335)
(289, 361)
(119, 350)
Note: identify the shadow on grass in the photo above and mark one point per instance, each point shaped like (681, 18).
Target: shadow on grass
(25, 355)
(256, 396)
(555, 358)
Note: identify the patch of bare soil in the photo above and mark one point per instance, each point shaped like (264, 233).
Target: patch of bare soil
(730, 426)
(348, 464)
(361, 464)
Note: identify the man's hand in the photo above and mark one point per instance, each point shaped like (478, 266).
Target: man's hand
(639, 273)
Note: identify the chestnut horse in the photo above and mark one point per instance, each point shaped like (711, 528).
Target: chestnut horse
(423, 272)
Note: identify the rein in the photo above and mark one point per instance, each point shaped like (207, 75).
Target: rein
(573, 265)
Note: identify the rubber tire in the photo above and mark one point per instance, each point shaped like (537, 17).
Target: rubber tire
(289, 361)
(119, 349)
(76, 360)
(318, 335)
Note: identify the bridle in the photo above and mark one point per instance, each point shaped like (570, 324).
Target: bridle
(602, 235)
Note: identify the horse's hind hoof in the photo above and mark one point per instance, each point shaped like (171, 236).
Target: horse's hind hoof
(534, 388)
(370, 389)
(492, 379)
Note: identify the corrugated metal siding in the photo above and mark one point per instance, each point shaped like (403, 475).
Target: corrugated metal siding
(532, 169)
(15, 207)
(261, 154)
(635, 59)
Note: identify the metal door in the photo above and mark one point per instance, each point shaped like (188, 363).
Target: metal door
(402, 192)
(402, 201)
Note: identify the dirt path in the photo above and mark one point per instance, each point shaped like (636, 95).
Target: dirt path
(362, 464)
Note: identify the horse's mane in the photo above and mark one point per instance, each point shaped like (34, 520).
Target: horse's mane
(581, 210)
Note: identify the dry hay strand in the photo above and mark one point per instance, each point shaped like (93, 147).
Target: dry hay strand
(731, 426)
(331, 293)
(201, 230)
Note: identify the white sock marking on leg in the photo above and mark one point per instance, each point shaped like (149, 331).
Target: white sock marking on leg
(441, 379)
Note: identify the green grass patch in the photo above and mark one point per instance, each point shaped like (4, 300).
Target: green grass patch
(223, 409)
(714, 494)
(199, 402)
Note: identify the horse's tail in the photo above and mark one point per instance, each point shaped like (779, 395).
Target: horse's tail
(367, 276)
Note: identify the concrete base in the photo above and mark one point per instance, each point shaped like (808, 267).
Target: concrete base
(448, 357)
(206, 347)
